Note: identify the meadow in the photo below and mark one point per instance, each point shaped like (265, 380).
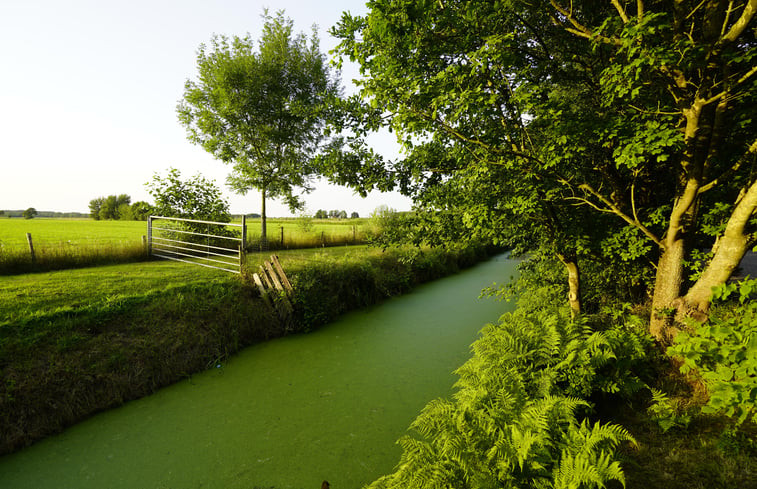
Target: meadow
(74, 243)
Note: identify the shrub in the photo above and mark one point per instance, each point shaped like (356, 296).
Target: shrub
(723, 351)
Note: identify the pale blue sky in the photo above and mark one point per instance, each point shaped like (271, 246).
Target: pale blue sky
(88, 94)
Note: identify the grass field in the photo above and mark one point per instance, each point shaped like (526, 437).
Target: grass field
(75, 243)
(56, 232)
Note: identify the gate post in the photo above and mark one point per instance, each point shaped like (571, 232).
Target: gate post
(149, 236)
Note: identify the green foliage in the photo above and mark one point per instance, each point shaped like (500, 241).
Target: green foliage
(518, 416)
(328, 287)
(111, 207)
(723, 351)
(255, 105)
(30, 213)
(196, 198)
(565, 128)
(141, 210)
(667, 413)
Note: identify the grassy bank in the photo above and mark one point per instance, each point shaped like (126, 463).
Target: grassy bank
(76, 342)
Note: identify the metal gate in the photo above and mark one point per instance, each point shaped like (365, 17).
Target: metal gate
(183, 240)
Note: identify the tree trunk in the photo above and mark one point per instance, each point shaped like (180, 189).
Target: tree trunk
(667, 288)
(574, 283)
(730, 250)
(263, 229)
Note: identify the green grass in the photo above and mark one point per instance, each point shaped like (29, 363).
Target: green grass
(38, 294)
(75, 243)
(78, 232)
(74, 342)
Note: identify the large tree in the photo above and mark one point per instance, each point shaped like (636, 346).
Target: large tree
(258, 109)
(607, 130)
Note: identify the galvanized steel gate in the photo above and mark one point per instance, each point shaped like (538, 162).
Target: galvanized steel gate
(182, 240)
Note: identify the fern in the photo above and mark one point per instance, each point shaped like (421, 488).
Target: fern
(516, 418)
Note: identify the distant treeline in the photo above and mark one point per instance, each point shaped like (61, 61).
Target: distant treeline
(20, 213)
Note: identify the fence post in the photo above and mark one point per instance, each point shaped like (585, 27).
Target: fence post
(149, 236)
(244, 231)
(31, 246)
(282, 237)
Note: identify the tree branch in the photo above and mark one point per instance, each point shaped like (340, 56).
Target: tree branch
(738, 27)
(733, 169)
(613, 209)
(580, 29)
(621, 11)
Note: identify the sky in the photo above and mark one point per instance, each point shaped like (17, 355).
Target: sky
(88, 94)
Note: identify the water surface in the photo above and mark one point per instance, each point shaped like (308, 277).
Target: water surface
(287, 413)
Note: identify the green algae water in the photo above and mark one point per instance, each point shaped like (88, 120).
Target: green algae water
(288, 413)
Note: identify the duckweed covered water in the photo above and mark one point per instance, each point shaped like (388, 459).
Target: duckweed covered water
(288, 413)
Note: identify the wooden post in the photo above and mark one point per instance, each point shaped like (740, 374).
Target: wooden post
(149, 236)
(354, 234)
(284, 280)
(282, 236)
(323, 240)
(144, 242)
(31, 246)
(244, 232)
(273, 275)
(261, 288)
(264, 276)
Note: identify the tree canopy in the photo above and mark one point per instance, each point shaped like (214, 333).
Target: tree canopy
(258, 109)
(196, 198)
(611, 133)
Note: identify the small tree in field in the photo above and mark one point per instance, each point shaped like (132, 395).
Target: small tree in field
(258, 109)
(196, 198)
(30, 213)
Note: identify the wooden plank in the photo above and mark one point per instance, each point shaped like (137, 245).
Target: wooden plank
(280, 270)
(264, 275)
(262, 290)
(273, 275)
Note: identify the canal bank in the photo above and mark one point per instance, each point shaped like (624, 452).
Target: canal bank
(286, 413)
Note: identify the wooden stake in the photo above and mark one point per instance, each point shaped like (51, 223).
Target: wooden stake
(31, 246)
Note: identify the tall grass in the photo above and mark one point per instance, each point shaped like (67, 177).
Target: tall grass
(60, 256)
(293, 238)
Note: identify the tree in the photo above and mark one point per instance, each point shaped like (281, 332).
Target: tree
(94, 207)
(321, 214)
(30, 213)
(259, 110)
(141, 210)
(196, 198)
(354, 215)
(612, 132)
(109, 207)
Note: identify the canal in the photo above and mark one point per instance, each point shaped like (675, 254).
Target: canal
(288, 413)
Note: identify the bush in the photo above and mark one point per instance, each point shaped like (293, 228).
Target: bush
(723, 351)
